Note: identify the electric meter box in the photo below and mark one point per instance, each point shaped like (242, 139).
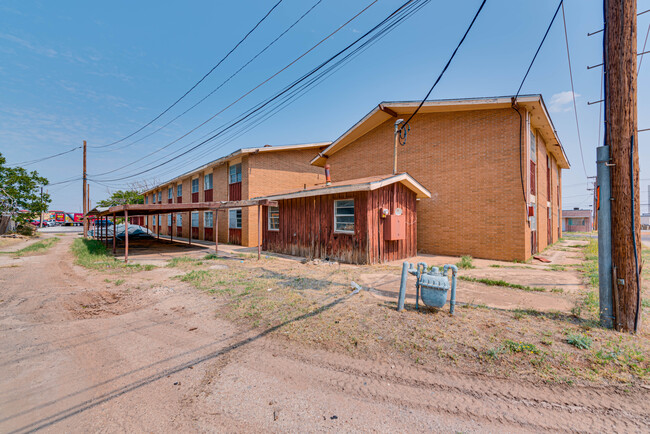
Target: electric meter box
(394, 228)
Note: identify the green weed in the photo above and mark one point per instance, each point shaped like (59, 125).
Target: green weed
(580, 341)
(465, 263)
(492, 282)
(520, 347)
(36, 247)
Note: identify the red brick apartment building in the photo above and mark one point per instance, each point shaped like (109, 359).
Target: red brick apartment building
(241, 175)
(494, 172)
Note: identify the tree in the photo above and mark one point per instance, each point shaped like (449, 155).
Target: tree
(22, 192)
(121, 197)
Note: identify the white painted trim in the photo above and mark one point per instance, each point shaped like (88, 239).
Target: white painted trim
(336, 231)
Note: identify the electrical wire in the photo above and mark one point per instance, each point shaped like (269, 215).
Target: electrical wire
(538, 48)
(38, 160)
(295, 94)
(446, 66)
(573, 92)
(198, 82)
(222, 83)
(643, 51)
(401, 9)
(248, 92)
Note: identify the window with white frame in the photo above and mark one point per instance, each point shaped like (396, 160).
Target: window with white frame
(195, 185)
(533, 146)
(208, 219)
(179, 219)
(146, 199)
(235, 173)
(344, 216)
(179, 190)
(207, 182)
(170, 193)
(160, 196)
(274, 218)
(195, 219)
(234, 218)
(169, 219)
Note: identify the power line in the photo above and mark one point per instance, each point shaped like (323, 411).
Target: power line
(401, 9)
(400, 14)
(404, 125)
(573, 92)
(198, 82)
(251, 115)
(223, 82)
(38, 160)
(643, 51)
(538, 48)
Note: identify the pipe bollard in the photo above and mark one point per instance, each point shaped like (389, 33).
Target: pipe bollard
(402, 287)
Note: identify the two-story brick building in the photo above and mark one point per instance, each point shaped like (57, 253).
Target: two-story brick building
(494, 171)
(241, 175)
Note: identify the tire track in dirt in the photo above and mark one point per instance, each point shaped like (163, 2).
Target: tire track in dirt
(508, 403)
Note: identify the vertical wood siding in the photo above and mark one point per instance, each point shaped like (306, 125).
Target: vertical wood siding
(307, 227)
(234, 236)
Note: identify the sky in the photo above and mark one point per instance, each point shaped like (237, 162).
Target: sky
(99, 71)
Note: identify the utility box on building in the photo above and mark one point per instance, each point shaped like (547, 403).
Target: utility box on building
(394, 228)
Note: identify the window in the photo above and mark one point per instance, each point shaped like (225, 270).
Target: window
(234, 219)
(235, 173)
(195, 219)
(207, 182)
(195, 185)
(160, 196)
(344, 216)
(179, 219)
(179, 190)
(274, 218)
(169, 219)
(208, 218)
(146, 199)
(153, 198)
(170, 193)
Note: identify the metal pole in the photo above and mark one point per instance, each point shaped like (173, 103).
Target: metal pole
(41, 222)
(216, 232)
(171, 229)
(402, 287)
(114, 230)
(604, 208)
(126, 236)
(189, 215)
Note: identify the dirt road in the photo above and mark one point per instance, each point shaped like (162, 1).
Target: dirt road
(81, 354)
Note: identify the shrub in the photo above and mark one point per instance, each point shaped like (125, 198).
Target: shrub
(580, 341)
(465, 262)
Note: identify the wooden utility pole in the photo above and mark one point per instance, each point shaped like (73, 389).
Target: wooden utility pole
(85, 201)
(620, 63)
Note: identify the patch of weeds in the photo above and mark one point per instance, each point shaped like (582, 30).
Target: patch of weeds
(211, 256)
(520, 347)
(520, 313)
(493, 353)
(579, 341)
(492, 282)
(148, 267)
(36, 247)
(118, 282)
(179, 260)
(557, 290)
(556, 267)
(465, 263)
(496, 266)
(645, 302)
(107, 280)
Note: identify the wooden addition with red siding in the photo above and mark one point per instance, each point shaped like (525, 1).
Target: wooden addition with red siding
(362, 221)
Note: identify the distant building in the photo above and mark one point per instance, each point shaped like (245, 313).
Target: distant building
(577, 220)
(645, 221)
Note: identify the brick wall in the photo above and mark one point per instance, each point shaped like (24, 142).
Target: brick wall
(469, 160)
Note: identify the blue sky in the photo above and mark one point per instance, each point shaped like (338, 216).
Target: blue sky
(71, 71)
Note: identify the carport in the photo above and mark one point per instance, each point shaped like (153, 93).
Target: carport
(138, 210)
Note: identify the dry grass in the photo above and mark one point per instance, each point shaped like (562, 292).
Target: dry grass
(313, 305)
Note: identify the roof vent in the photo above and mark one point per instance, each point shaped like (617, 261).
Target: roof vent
(576, 209)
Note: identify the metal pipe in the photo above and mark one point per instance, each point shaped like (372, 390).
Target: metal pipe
(452, 299)
(328, 179)
(126, 236)
(603, 205)
(402, 287)
(396, 139)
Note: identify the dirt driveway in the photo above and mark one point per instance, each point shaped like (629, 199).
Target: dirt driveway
(81, 354)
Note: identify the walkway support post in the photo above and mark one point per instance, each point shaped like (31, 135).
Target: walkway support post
(259, 232)
(114, 230)
(189, 220)
(126, 236)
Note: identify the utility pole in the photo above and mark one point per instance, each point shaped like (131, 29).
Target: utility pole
(85, 202)
(620, 67)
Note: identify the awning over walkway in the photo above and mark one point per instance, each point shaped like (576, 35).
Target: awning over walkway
(166, 208)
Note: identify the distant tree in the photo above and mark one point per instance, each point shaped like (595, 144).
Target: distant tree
(21, 191)
(121, 197)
